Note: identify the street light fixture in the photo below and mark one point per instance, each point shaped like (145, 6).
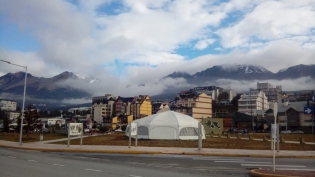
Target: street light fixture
(251, 107)
(21, 129)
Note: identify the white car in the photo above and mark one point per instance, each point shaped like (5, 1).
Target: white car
(298, 132)
(286, 132)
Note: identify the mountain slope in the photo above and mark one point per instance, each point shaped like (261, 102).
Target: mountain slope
(295, 72)
(245, 73)
(39, 87)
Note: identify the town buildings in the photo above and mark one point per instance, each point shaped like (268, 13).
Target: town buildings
(158, 105)
(255, 100)
(196, 105)
(290, 116)
(272, 94)
(211, 91)
(8, 105)
(231, 92)
(122, 106)
(103, 106)
(141, 107)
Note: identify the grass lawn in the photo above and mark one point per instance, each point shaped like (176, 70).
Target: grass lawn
(32, 137)
(287, 137)
(119, 139)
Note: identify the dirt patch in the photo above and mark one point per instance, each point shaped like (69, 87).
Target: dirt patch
(119, 139)
(32, 137)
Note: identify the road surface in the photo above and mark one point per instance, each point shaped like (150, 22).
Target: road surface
(50, 164)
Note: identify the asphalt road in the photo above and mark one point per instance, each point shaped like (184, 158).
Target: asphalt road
(15, 163)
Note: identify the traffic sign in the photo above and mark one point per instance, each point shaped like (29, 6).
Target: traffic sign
(308, 110)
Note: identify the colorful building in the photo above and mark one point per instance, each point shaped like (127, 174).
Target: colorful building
(141, 107)
(198, 106)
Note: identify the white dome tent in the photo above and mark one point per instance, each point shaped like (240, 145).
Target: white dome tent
(168, 125)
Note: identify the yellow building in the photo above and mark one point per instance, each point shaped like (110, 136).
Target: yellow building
(141, 107)
(119, 121)
(203, 107)
(194, 105)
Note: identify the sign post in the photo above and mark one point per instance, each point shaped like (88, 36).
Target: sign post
(199, 136)
(275, 112)
(133, 131)
(75, 129)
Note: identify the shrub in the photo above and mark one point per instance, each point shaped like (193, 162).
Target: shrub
(123, 128)
(104, 129)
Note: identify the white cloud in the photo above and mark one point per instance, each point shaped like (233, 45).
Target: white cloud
(202, 44)
(271, 20)
(304, 83)
(146, 36)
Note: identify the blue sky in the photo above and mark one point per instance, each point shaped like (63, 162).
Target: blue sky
(140, 41)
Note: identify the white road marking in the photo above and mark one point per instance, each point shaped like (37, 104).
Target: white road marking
(92, 170)
(32, 160)
(230, 161)
(135, 176)
(263, 165)
(255, 162)
(304, 169)
(221, 159)
(58, 165)
(12, 157)
(197, 158)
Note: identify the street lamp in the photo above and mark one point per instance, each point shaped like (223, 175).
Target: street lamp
(21, 129)
(251, 107)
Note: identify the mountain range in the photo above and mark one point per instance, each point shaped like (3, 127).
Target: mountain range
(42, 88)
(245, 72)
(39, 88)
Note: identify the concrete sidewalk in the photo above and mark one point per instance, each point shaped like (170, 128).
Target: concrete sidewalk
(44, 146)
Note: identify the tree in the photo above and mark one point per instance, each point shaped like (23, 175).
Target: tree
(234, 101)
(223, 95)
(5, 121)
(30, 118)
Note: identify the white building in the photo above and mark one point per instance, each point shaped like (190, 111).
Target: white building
(80, 109)
(103, 106)
(13, 115)
(8, 105)
(212, 91)
(231, 93)
(249, 103)
(272, 94)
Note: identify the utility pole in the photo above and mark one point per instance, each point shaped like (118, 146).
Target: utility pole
(251, 107)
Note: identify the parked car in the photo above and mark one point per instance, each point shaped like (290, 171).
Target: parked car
(45, 130)
(286, 132)
(260, 131)
(231, 130)
(297, 132)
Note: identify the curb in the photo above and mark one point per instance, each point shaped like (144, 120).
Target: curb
(84, 150)
(253, 173)
(149, 152)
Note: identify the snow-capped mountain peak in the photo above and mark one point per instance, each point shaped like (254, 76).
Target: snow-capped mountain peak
(89, 79)
(244, 68)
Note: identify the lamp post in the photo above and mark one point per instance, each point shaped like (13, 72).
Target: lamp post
(251, 108)
(21, 129)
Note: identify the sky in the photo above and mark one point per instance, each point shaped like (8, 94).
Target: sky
(132, 42)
